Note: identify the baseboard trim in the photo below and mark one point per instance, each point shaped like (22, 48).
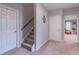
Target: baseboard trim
(41, 45)
(56, 40)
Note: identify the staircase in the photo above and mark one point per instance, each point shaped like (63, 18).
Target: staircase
(29, 41)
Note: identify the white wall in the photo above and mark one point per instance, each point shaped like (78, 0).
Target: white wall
(55, 25)
(41, 28)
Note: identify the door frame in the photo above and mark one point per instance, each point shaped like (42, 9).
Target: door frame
(34, 27)
(77, 15)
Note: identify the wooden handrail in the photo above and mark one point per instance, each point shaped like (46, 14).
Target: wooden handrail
(26, 24)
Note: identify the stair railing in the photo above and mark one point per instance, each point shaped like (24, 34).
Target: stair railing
(27, 28)
(27, 23)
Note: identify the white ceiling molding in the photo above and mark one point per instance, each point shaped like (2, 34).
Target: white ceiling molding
(55, 6)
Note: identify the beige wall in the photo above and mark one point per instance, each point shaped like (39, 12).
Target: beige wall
(28, 12)
(41, 28)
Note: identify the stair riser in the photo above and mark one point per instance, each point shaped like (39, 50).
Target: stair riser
(31, 33)
(30, 37)
(33, 30)
(29, 41)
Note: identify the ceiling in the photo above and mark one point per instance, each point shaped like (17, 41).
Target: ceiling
(54, 6)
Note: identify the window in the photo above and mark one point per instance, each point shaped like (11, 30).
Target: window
(68, 25)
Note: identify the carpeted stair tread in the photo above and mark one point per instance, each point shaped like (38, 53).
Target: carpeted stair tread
(29, 41)
(27, 46)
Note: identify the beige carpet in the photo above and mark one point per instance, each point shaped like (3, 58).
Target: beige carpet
(50, 48)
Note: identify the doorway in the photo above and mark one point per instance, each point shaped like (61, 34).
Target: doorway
(71, 29)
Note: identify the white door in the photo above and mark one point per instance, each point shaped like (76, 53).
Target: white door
(7, 29)
(0, 30)
(55, 27)
(11, 29)
(4, 29)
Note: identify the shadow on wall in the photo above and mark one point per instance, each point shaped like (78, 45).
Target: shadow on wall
(28, 14)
